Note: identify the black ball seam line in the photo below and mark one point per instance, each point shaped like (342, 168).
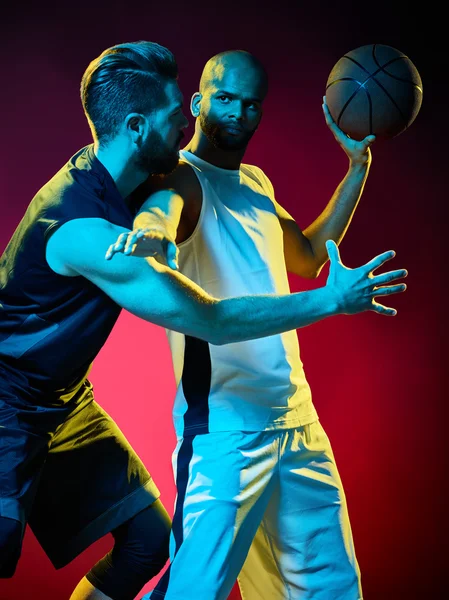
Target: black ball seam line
(382, 68)
(370, 103)
(372, 76)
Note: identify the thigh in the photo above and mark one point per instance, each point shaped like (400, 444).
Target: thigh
(92, 482)
(223, 481)
(25, 435)
(304, 548)
(23, 452)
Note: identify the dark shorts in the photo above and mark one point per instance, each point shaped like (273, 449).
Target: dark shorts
(72, 482)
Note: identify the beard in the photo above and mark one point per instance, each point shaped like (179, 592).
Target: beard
(155, 158)
(219, 139)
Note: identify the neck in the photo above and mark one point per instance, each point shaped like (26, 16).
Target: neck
(200, 146)
(121, 166)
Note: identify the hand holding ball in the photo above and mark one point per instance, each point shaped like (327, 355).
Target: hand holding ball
(374, 89)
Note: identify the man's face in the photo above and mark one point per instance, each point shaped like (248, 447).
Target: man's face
(231, 108)
(159, 153)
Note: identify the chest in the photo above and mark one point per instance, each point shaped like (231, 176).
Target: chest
(234, 224)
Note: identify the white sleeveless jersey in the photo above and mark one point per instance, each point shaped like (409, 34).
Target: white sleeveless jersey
(237, 249)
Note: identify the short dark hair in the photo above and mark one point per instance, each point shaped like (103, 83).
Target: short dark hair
(125, 78)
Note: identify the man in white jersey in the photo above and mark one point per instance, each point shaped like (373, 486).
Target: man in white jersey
(259, 495)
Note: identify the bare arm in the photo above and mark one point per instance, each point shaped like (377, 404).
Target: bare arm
(305, 251)
(162, 209)
(167, 298)
(167, 216)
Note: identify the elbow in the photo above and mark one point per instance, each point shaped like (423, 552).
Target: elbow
(310, 271)
(315, 268)
(314, 274)
(311, 274)
(307, 267)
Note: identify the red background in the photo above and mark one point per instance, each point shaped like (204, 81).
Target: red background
(377, 382)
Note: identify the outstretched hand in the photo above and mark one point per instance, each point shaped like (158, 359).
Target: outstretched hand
(154, 241)
(355, 290)
(357, 151)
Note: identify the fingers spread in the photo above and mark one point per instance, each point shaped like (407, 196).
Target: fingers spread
(172, 255)
(332, 251)
(109, 252)
(379, 260)
(390, 276)
(393, 289)
(131, 241)
(383, 310)
(117, 247)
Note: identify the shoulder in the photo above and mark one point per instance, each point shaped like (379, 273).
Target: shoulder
(182, 180)
(75, 177)
(258, 175)
(71, 194)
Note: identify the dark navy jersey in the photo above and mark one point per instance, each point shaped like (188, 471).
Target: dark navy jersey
(52, 326)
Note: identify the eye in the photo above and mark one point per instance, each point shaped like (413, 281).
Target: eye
(224, 99)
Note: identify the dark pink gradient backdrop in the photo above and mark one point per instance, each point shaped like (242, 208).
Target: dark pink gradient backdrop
(377, 383)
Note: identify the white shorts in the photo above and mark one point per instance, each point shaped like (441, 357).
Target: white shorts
(265, 507)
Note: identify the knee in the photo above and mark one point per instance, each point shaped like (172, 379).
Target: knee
(10, 546)
(144, 540)
(140, 551)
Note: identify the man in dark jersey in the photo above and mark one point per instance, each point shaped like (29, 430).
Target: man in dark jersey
(65, 468)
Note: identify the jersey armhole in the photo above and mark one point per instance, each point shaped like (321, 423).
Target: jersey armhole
(203, 203)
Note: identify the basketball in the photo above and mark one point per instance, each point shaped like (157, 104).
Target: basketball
(374, 89)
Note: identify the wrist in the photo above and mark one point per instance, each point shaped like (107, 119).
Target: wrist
(359, 165)
(155, 221)
(333, 300)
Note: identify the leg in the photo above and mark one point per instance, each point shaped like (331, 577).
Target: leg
(140, 552)
(86, 591)
(224, 483)
(11, 534)
(304, 548)
(92, 483)
(23, 451)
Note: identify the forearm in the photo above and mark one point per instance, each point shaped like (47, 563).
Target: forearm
(336, 217)
(251, 317)
(161, 210)
(169, 299)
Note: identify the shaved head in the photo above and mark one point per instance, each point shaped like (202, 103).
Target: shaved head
(228, 105)
(238, 61)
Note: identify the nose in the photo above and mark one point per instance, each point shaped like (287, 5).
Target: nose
(237, 111)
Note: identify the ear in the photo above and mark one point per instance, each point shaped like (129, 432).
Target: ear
(136, 126)
(195, 104)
